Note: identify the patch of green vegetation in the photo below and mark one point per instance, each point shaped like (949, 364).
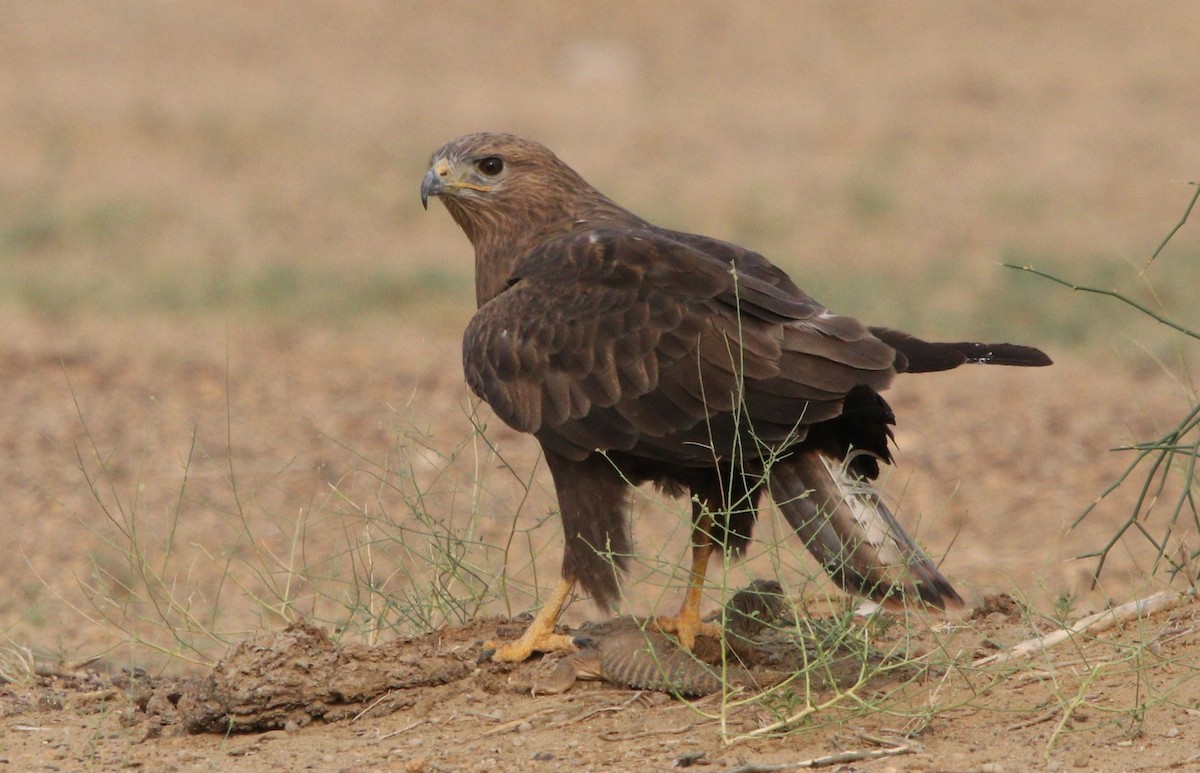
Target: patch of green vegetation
(110, 256)
(283, 291)
(292, 290)
(870, 198)
(1055, 313)
(895, 297)
(953, 299)
(29, 230)
(1019, 203)
(869, 193)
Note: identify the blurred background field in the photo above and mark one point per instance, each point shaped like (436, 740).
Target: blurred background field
(223, 301)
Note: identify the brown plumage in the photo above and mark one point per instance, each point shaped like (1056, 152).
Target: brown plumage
(634, 353)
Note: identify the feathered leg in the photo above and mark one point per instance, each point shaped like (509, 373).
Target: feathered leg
(592, 500)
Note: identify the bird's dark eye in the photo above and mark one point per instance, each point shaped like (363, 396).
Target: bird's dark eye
(491, 166)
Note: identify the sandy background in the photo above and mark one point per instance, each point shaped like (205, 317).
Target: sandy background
(222, 300)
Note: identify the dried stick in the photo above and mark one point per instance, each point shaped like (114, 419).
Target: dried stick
(820, 762)
(1100, 621)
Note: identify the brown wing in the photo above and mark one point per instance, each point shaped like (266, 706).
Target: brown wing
(913, 355)
(629, 340)
(747, 261)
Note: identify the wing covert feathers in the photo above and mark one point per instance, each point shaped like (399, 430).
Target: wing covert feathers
(580, 355)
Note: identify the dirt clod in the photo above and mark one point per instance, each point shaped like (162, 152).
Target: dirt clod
(286, 680)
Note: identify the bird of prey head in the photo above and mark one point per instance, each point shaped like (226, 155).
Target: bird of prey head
(469, 167)
(496, 185)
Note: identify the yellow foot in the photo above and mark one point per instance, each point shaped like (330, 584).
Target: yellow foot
(540, 635)
(520, 650)
(686, 628)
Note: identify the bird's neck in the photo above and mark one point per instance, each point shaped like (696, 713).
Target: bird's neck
(499, 248)
(493, 267)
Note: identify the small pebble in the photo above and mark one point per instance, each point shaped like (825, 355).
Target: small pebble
(524, 727)
(1171, 732)
(541, 756)
(1082, 760)
(991, 767)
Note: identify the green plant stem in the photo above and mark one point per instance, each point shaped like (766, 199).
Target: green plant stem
(1111, 294)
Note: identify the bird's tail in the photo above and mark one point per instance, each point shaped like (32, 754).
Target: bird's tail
(848, 527)
(916, 356)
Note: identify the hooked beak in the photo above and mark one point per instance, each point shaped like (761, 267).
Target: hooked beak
(432, 184)
(443, 179)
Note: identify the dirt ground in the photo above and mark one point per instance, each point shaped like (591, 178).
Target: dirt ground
(232, 398)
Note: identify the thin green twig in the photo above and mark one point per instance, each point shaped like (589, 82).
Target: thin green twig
(1176, 451)
(1111, 294)
(1171, 234)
